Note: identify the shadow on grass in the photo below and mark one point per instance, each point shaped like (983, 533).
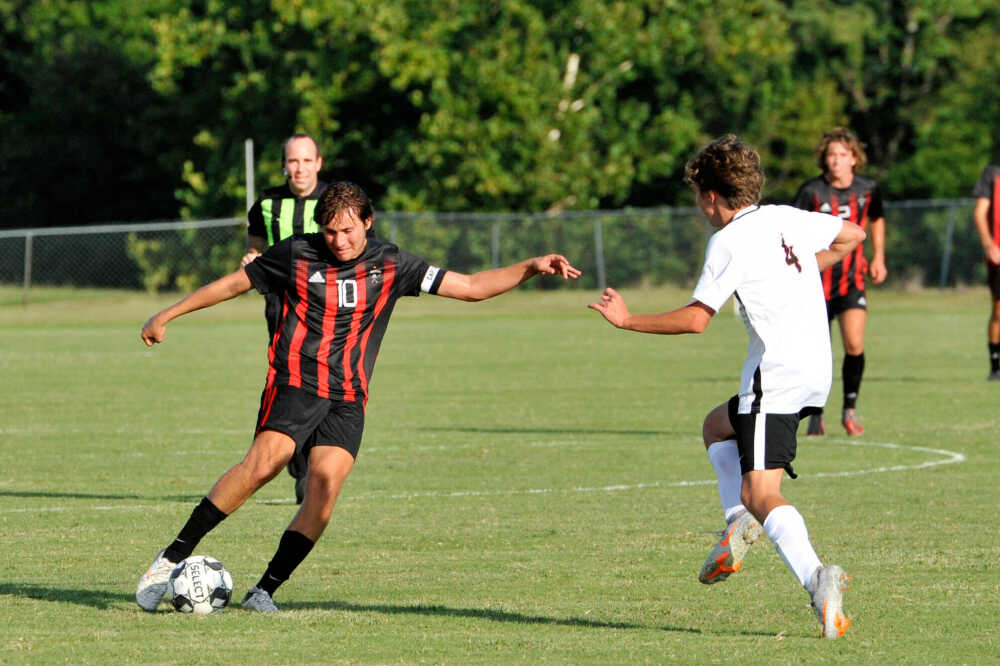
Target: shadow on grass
(475, 613)
(105, 600)
(554, 431)
(50, 494)
(93, 598)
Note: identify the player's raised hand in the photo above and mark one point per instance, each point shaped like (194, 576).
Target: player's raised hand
(153, 331)
(551, 264)
(612, 306)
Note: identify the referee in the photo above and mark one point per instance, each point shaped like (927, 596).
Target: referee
(279, 213)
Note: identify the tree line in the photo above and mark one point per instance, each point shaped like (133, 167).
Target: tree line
(120, 110)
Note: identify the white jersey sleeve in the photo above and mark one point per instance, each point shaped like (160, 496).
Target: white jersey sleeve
(721, 274)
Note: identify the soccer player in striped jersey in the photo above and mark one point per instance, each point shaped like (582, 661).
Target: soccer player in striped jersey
(279, 213)
(338, 288)
(769, 257)
(986, 215)
(856, 198)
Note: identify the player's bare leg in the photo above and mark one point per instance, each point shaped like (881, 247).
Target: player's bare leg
(269, 453)
(761, 492)
(328, 469)
(786, 528)
(742, 529)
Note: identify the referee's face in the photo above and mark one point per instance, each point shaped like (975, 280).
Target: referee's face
(302, 164)
(345, 235)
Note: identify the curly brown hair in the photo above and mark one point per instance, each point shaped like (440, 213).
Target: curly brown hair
(846, 137)
(340, 196)
(730, 168)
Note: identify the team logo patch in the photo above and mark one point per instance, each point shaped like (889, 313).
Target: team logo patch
(375, 276)
(862, 301)
(317, 277)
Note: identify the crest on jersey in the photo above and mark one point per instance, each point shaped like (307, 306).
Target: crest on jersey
(375, 276)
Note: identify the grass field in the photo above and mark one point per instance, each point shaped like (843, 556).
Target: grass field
(531, 489)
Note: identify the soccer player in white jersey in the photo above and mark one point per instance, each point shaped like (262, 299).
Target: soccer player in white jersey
(770, 258)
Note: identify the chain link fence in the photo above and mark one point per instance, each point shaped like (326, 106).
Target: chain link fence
(928, 243)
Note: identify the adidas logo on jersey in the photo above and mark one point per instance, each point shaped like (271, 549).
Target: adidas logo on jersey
(317, 277)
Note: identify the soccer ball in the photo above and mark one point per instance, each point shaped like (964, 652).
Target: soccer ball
(199, 585)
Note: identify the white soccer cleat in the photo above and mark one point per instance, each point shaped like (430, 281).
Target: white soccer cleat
(257, 599)
(727, 556)
(828, 600)
(153, 584)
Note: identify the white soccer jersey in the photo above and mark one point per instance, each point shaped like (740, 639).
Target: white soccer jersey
(767, 256)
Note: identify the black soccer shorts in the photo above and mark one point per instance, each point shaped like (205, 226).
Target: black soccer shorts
(993, 279)
(765, 441)
(854, 299)
(311, 420)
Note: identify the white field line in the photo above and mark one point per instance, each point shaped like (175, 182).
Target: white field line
(947, 458)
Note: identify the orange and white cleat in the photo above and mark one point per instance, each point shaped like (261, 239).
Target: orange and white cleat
(851, 424)
(727, 556)
(828, 600)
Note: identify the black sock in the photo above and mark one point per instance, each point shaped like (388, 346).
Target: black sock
(292, 549)
(203, 519)
(994, 356)
(854, 367)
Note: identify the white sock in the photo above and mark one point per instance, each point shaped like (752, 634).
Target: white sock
(725, 458)
(786, 528)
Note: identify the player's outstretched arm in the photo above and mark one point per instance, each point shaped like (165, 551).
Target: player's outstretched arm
(692, 318)
(487, 284)
(223, 289)
(848, 238)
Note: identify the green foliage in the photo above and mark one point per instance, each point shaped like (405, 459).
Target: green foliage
(183, 261)
(83, 137)
(514, 105)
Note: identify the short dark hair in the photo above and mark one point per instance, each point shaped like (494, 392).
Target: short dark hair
(284, 146)
(846, 137)
(342, 196)
(728, 167)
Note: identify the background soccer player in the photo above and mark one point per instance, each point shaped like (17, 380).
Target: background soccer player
(986, 215)
(338, 290)
(856, 198)
(769, 257)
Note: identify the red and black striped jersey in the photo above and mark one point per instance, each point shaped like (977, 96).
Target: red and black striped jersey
(859, 203)
(334, 314)
(988, 187)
